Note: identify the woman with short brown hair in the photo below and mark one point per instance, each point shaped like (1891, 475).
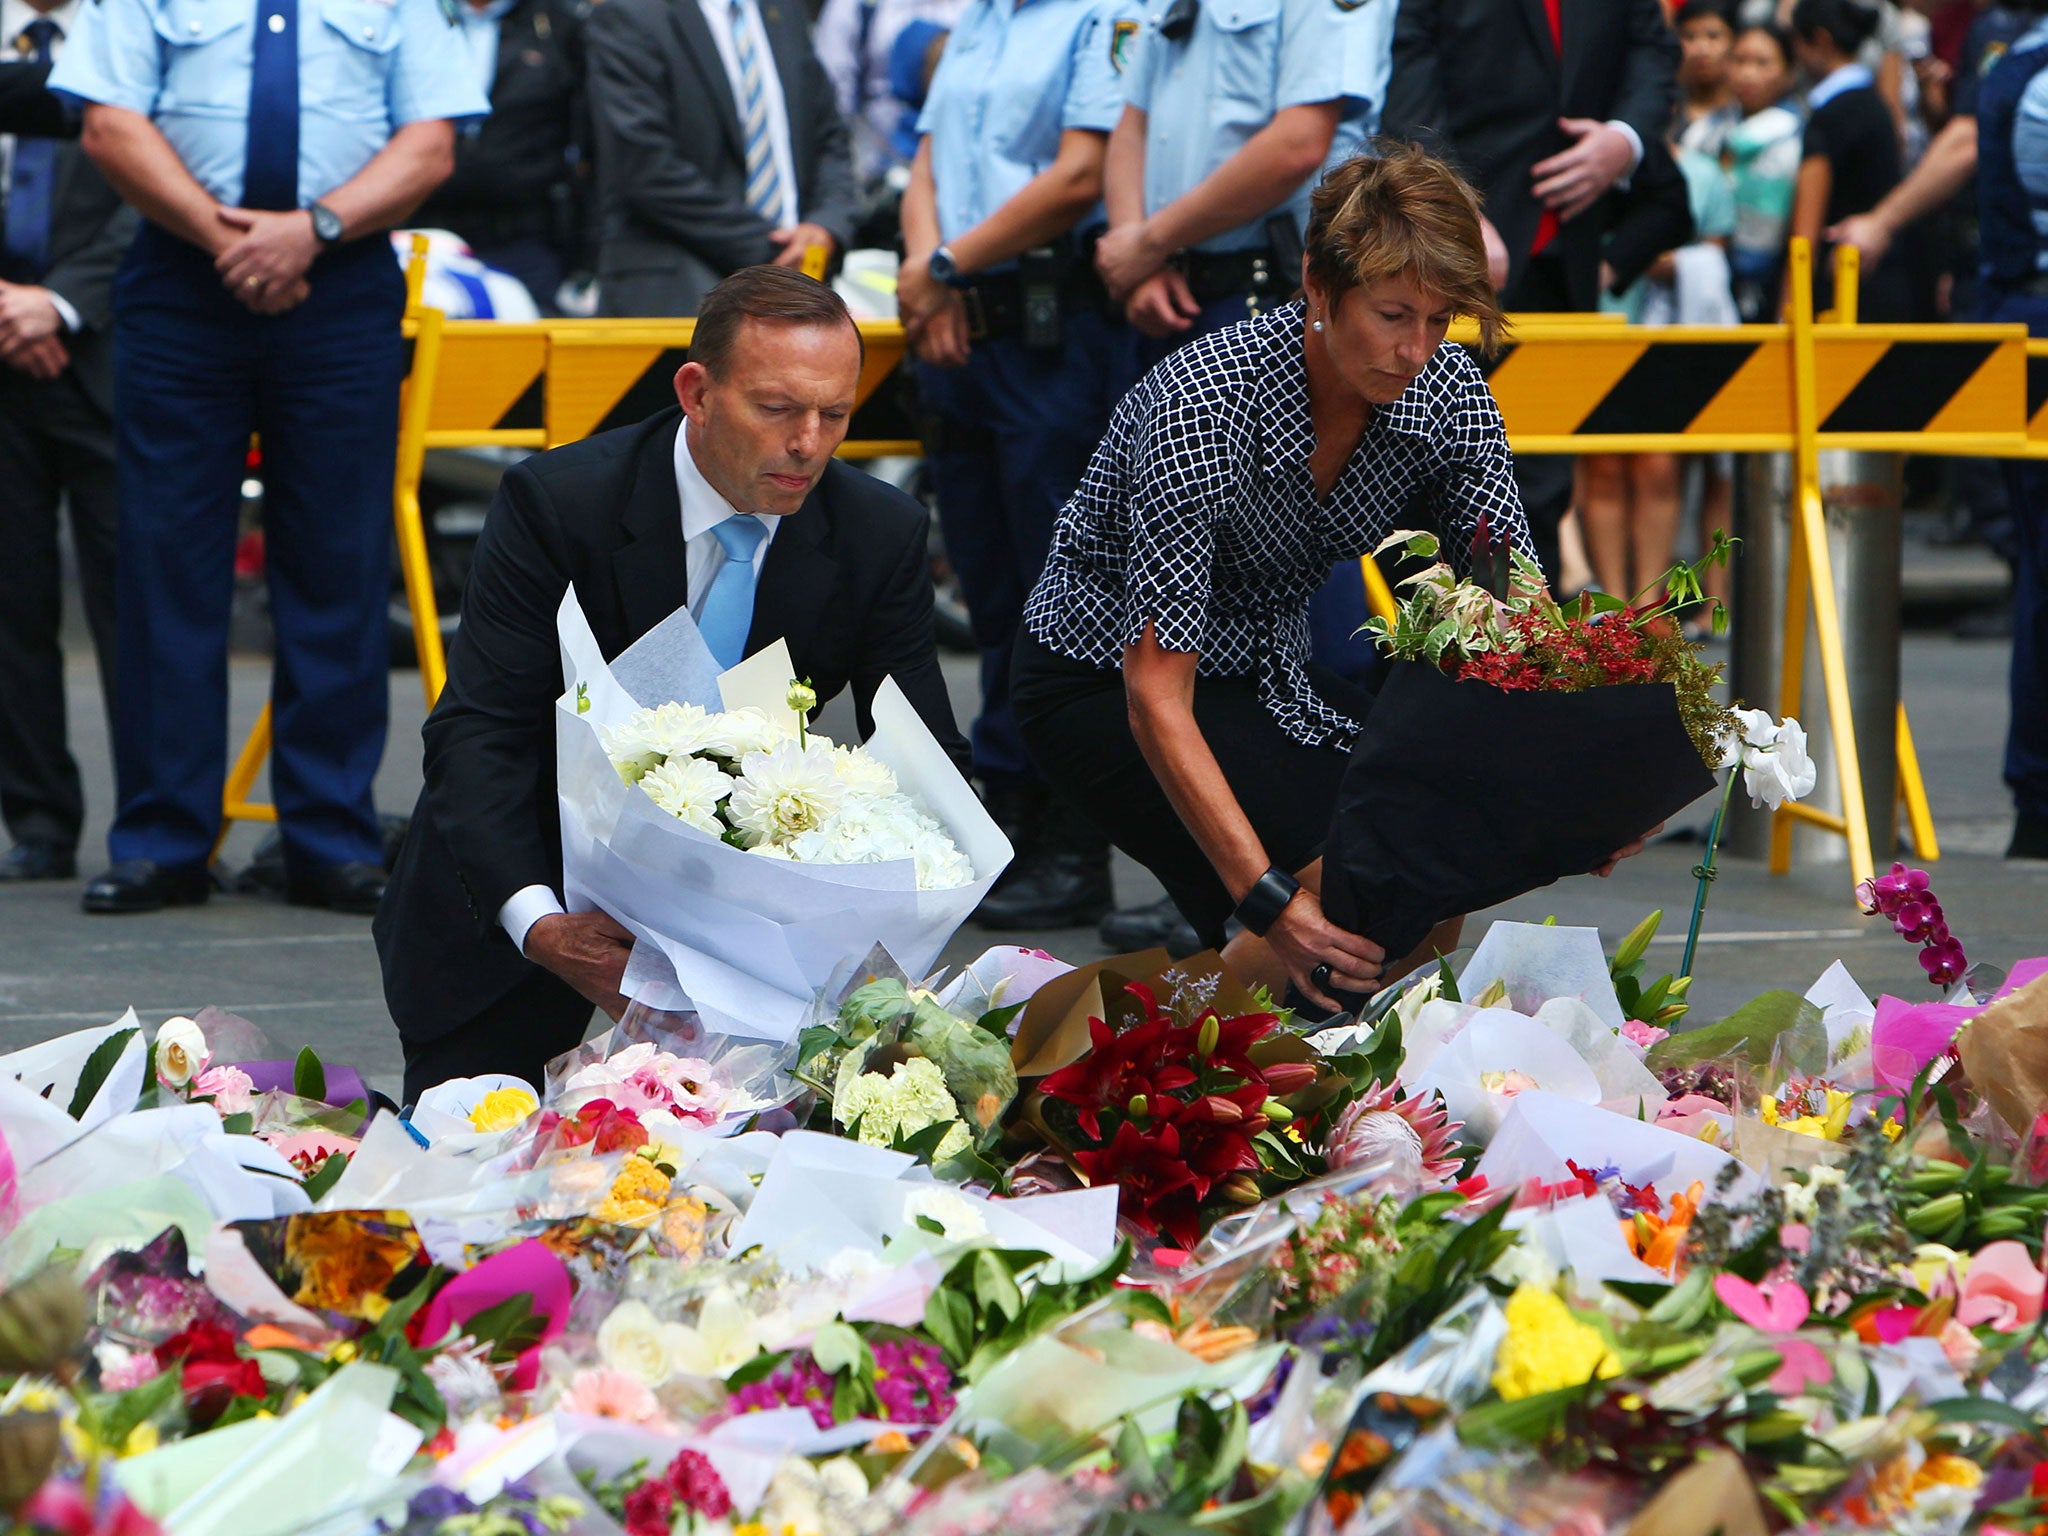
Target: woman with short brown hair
(1162, 680)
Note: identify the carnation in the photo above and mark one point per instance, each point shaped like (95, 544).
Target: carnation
(231, 1089)
(884, 1110)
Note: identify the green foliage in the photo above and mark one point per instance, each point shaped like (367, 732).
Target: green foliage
(97, 1067)
(1751, 1032)
(1660, 1002)
(309, 1077)
(994, 1300)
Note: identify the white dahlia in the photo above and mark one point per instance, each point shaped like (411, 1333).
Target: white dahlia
(784, 793)
(689, 789)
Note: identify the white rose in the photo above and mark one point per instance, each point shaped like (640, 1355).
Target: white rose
(632, 1339)
(181, 1052)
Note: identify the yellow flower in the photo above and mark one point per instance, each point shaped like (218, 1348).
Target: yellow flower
(1547, 1347)
(1891, 1129)
(637, 1195)
(1943, 1469)
(501, 1109)
(141, 1439)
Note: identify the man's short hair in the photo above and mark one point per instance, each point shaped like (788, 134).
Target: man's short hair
(779, 295)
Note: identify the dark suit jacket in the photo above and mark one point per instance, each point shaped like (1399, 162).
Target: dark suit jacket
(671, 162)
(845, 582)
(90, 230)
(1480, 82)
(26, 107)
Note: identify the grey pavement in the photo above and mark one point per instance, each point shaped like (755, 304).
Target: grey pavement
(311, 977)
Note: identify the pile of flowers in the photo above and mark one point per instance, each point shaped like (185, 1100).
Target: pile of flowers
(779, 792)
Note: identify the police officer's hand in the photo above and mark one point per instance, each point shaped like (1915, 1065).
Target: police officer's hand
(791, 243)
(1162, 305)
(917, 294)
(940, 337)
(586, 949)
(266, 255)
(42, 359)
(1126, 256)
(26, 314)
(1571, 181)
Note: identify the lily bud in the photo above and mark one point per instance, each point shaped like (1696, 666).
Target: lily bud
(1139, 1106)
(1205, 1040)
(1240, 1189)
(1253, 1124)
(1221, 1110)
(1285, 1077)
(1276, 1112)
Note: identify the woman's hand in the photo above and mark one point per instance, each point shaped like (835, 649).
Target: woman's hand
(1305, 941)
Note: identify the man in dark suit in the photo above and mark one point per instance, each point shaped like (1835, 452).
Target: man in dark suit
(483, 971)
(26, 106)
(1544, 105)
(720, 145)
(65, 230)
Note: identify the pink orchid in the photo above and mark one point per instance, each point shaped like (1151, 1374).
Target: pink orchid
(2002, 1289)
(231, 1089)
(1905, 1037)
(1773, 1307)
(1801, 1364)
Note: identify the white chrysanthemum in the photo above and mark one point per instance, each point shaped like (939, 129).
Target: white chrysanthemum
(862, 772)
(941, 866)
(738, 732)
(785, 793)
(689, 789)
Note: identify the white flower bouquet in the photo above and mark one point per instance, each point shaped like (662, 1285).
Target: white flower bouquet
(750, 857)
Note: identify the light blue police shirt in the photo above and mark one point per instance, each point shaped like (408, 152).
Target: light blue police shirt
(1207, 93)
(1013, 78)
(366, 68)
(2030, 139)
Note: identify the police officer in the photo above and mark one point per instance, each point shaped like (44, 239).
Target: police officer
(520, 187)
(268, 144)
(1016, 366)
(2012, 244)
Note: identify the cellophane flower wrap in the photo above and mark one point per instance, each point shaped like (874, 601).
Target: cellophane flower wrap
(725, 885)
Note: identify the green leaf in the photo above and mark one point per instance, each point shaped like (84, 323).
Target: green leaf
(115, 1418)
(759, 1368)
(813, 1042)
(1749, 1032)
(243, 1124)
(836, 1347)
(1448, 980)
(997, 1020)
(1983, 1410)
(97, 1066)
(309, 1078)
(995, 1288)
(949, 1319)
(326, 1175)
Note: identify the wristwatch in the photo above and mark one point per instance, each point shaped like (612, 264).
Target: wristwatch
(1266, 900)
(942, 266)
(326, 223)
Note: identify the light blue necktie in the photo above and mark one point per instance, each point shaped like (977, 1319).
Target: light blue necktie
(764, 182)
(729, 605)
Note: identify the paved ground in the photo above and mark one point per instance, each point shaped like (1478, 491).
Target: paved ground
(306, 976)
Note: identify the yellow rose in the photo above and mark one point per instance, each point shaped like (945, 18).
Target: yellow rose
(501, 1109)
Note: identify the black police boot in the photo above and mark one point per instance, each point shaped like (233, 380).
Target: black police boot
(1064, 883)
(1017, 806)
(1156, 926)
(2029, 838)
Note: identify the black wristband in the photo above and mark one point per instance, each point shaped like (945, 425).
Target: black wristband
(1266, 900)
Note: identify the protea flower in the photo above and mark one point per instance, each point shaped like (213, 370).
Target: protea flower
(1413, 1135)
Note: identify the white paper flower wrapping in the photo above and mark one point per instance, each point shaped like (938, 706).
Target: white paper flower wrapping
(746, 937)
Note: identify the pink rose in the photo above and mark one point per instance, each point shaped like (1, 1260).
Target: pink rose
(231, 1089)
(1644, 1035)
(2002, 1289)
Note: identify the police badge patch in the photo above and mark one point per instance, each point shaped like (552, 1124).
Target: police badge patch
(1120, 36)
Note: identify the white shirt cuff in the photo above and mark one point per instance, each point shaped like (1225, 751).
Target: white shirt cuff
(1635, 142)
(65, 312)
(525, 907)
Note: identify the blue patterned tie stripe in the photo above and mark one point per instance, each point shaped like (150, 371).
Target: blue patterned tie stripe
(31, 181)
(729, 606)
(270, 176)
(764, 182)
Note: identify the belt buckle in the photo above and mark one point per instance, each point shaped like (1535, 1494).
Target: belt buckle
(977, 317)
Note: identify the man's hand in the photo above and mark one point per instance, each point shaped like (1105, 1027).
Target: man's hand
(1126, 256)
(1629, 852)
(26, 315)
(1870, 234)
(940, 336)
(587, 950)
(1496, 253)
(792, 242)
(1162, 305)
(43, 359)
(918, 296)
(1569, 182)
(266, 262)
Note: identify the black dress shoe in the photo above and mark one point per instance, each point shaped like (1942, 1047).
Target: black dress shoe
(2029, 838)
(143, 885)
(352, 888)
(38, 861)
(1058, 889)
(1157, 926)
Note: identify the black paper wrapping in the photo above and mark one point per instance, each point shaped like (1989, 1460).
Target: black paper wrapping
(1460, 795)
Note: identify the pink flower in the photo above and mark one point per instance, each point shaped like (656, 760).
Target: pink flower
(231, 1089)
(606, 1394)
(2002, 1289)
(120, 1370)
(1644, 1035)
(1960, 1345)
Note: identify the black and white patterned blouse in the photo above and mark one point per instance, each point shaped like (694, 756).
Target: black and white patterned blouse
(1199, 511)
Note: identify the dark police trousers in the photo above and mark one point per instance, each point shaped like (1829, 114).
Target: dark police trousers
(2026, 741)
(195, 375)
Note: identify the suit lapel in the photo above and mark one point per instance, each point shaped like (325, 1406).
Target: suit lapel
(796, 582)
(1537, 18)
(699, 47)
(789, 45)
(651, 566)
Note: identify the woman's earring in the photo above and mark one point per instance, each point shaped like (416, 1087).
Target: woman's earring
(1315, 325)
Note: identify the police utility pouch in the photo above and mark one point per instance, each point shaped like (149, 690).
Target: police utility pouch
(1283, 239)
(1038, 294)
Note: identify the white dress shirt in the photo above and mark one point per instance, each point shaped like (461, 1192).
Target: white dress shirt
(718, 15)
(15, 15)
(703, 510)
